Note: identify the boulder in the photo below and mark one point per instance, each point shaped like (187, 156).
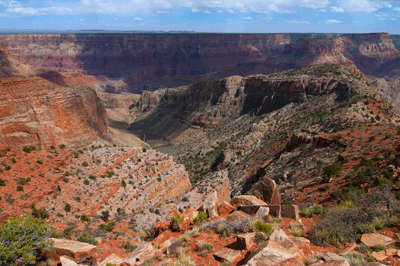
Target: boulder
(247, 200)
(336, 263)
(349, 249)
(112, 259)
(290, 211)
(210, 205)
(278, 250)
(262, 213)
(175, 247)
(66, 261)
(237, 216)
(391, 252)
(267, 190)
(372, 240)
(245, 241)
(225, 208)
(300, 240)
(227, 254)
(160, 227)
(372, 264)
(73, 249)
(140, 254)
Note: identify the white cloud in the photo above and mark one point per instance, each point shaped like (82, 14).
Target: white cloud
(248, 18)
(162, 12)
(230, 11)
(387, 19)
(364, 6)
(323, 10)
(207, 12)
(295, 21)
(10, 3)
(220, 11)
(333, 21)
(195, 10)
(396, 9)
(137, 18)
(337, 9)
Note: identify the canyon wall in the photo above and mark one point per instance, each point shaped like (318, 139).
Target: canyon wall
(396, 40)
(35, 111)
(143, 57)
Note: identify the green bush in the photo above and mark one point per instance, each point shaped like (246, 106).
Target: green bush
(105, 215)
(85, 164)
(263, 227)
(67, 207)
(39, 213)
(286, 202)
(20, 188)
(177, 219)
(2, 182)
(22, 239)
(108, 227)
(332, 170)
(85, 237)
(28, 149)
(85, 219)
(13, 160)
(39, 161)
(202, 216)
(86, 182)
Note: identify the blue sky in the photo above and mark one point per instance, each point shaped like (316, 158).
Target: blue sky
(247, 16)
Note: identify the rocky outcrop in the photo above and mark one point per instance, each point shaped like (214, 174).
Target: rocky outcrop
(141, 58)
(35, 111)
(396, 40)
(210, 104)
(12, 65)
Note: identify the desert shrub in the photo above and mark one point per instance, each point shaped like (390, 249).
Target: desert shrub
(224, 230)
(13, 160)
(20, 188)
(92, 177)
(348, 221)
(371, 139)
(128, 247)
(105, 215)
(316, 209)
(85, 219)
(2, 182)
(39, 213)
(108, 227)
(295, 229)
(28, 149)
(22, 239)
(205, 245)
(263, 227)
(85, 164)
(332, 170)
(86, 182)
(123, 183)
(286, 202)
(144, 149)
(202, 216)
(39, 161)
(323, 188)
(67, 207)
(62, 146)
(177, 219)
(260, 237)
(85, 237)
(65, 179)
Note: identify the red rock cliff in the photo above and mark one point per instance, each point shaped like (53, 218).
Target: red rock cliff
(35, 111)
(143, 57)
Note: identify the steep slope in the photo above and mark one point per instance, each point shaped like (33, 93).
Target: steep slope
(396, 40)
(141, 58)
(45, 111)
(35, 111)
(12, 65)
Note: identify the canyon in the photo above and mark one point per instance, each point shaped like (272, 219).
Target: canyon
(137, 62)
(297, 128)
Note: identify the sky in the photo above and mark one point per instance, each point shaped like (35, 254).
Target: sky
(236, 16)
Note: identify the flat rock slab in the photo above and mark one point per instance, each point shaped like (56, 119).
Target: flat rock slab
(112, 259)
(227, 254)
(290, 211)
(299, 240)
(73, 249)
(349, 249)
(372, 264)
(140, 254)
(247, 200)
(65, 261)
(379, 256)
(262, 212)
(332, 256)
(391, 252)
(372, 240)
